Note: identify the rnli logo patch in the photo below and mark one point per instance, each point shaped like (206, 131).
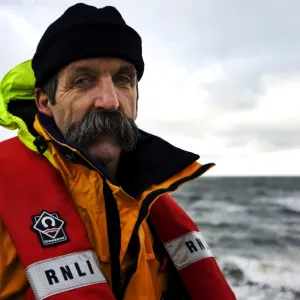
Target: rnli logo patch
(50, 228)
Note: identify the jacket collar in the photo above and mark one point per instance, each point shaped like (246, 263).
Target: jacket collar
(152, 161)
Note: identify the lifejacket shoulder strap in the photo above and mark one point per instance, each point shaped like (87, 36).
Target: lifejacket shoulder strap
(46, 229)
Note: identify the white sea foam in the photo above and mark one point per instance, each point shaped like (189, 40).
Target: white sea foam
(270, 279)
(292, 203)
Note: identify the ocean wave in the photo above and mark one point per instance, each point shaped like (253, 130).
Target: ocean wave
(214, 204)
(290, 204)
(265, 280)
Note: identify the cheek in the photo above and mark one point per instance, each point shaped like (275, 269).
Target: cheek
(78, 108)
(79, 112)
(128, 104)
(60, 118)
(64, 115)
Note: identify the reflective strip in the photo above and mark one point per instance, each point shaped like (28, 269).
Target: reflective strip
(64, 273)
(188, 249)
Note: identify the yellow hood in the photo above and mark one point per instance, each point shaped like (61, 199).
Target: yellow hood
(17, 84)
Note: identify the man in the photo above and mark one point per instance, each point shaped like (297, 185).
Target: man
(83, 202)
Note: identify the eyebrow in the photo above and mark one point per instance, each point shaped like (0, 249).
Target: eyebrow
(73, 70)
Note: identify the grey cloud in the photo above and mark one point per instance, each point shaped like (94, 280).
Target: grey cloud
(191, 129)
(269, 138)
(265, 138)
(251, 39)
(10, 2)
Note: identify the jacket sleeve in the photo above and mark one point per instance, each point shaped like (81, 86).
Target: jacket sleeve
(13, 282)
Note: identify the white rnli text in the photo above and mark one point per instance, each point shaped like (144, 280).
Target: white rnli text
(64, 273)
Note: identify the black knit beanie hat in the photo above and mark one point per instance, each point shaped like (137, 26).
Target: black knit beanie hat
(84, 31)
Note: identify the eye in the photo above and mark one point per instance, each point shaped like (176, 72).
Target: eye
(82, 81)
(122, 80)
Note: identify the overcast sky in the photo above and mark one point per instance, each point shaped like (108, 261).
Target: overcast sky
(222, 77)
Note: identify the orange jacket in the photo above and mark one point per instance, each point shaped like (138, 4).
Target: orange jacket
(85, 187)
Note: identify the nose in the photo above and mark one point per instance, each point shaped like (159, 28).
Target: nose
(107, 97)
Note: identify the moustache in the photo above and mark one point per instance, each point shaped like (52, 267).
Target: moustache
(97, 124)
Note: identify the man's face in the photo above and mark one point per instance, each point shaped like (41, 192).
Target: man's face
(96, 91)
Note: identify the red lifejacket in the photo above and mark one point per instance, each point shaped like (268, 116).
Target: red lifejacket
(61, 263)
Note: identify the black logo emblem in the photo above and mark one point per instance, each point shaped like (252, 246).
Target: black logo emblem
(50, 228)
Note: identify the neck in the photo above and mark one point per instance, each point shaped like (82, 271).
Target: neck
(111, 167)
(107, 154)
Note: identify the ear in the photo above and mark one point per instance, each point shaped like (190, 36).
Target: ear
(43, 103)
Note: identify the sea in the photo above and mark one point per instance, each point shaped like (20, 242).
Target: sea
(252, 225)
